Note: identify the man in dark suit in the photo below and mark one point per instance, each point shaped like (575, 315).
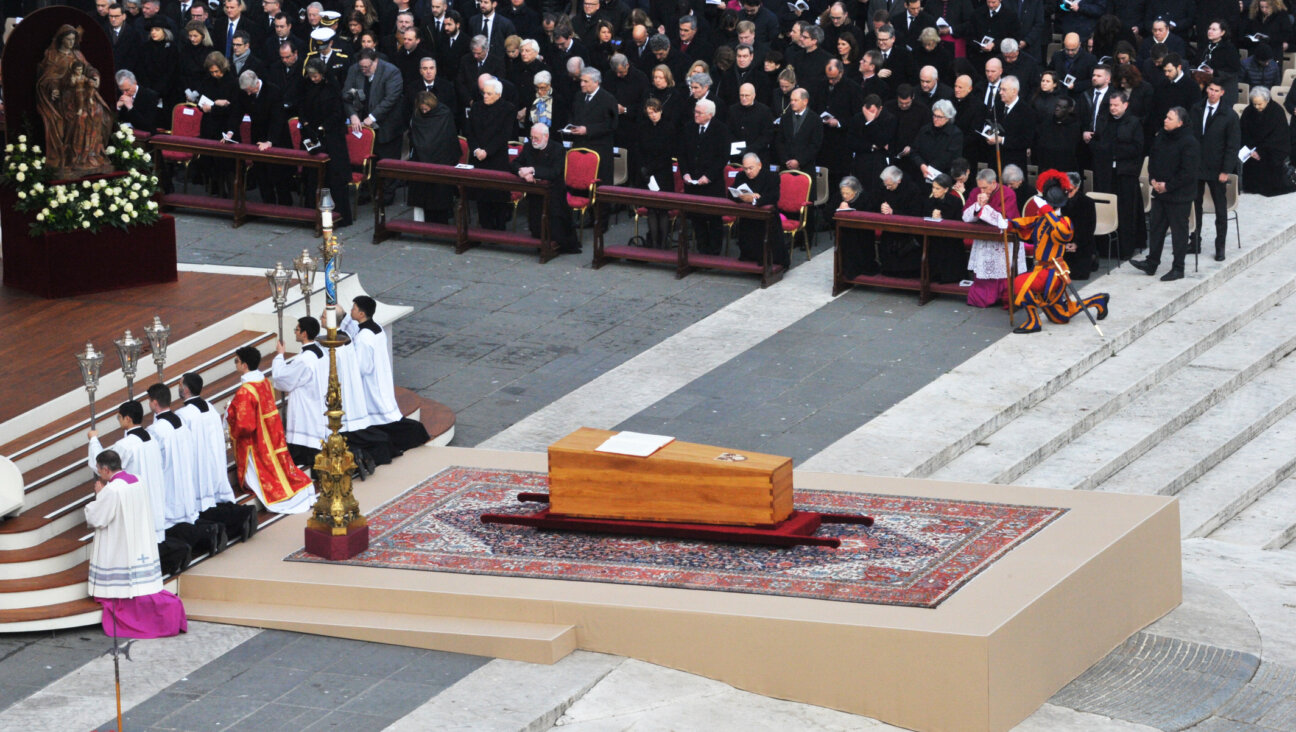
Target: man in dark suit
(234, 21)
(692, 43)
(1094, 111)
(970, 116)
(751, 122)
(541, 159)
(594, 122)
(282, 32)
(492, 25)
(703, 153)
(1033, 19)
(480, 60)
(870, 81)
(1161, 37)
(1172, 172)
(992, 21)
(1017, 122)
(810, 66)
(931, 90)
(909, 21)
(799, 136)
(897, 64)
(373, 98)
(452, 47)
(1181, 91)
(1215, 125)
(629, 86)
(566, 46)
(125, 40)
(1072, 60)
(137, 106)
(763, 190)
(286, 74)
(263, 103)
(1018, 64)
(429, 80)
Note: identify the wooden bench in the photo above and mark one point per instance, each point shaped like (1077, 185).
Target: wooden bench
(684, 260)
(462, 180)
(241, 154)
(915, 226)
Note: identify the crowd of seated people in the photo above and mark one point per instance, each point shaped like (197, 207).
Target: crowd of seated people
(920, 88)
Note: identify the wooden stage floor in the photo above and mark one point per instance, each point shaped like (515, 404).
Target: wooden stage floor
(43, 336)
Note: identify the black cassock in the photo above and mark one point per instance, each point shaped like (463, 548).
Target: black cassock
(752, 232)
(894, 255)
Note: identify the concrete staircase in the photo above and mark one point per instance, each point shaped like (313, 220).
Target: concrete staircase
(1202, 407)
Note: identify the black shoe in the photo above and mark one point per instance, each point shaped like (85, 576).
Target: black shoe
(1172, 275)
(1144, 266)
(1219, 254)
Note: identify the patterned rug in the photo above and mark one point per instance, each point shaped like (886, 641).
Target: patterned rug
(920, 551)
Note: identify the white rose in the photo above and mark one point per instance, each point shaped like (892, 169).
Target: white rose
(110, 150)
(40, 216)
(125, 218)
(128, 208)
(38, 165)
(112, 207)
(85, 224)
(39, 188)
(22, 196)
(8, 148)
(152, 205)
(20, 177)
(36, 149)
(86, 205)
(22, 167)
(22, 138)
(135, 187)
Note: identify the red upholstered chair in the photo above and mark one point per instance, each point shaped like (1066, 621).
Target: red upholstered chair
(581, 175)
(360, 153)
(794, 204)
(294, 133)
(245, 130)
(186, 121)
(731, 172)
(463, 150)
(515, 148)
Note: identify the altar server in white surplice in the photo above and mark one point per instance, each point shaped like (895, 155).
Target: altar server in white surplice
(369, 342)
(183, 499)
(141, 457)
(211, 470)
(306, 426)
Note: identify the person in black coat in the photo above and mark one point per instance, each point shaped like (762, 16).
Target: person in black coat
(1058, 137)
(899, 255)
(856, 248)
(1072, 60)
(970, 116)
(764, 186)
(994, 21)
(1118, 145)
(481, 60)
(911, 115)
(542, 159)
(594, 121)
(1082, 257)
(703, 152)
(124, 38)
(1217, 53)
(489, 127)
(751, 122)
(654, 158)
(1017, 120)
(433, 139)
(938, 143)
(1264, 129)
(870, 133)
(1219, 137)
(629, 86)
(263, 103)
(799, 136)
(138, 105)
(321, 122)
(1182, 91)
(947, 257)
(159, 65)
(194, 47)
(1172, 173)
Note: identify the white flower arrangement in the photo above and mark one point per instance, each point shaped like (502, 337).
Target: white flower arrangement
(80, 205)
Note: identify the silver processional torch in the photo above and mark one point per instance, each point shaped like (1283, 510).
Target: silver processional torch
(128, 350)
(306, 267)
(278, 279)
(157, 335)
(90, 361)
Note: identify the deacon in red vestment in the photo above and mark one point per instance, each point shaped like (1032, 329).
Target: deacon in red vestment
(260, 448)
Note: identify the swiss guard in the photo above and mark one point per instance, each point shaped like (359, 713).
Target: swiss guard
(1047, 286)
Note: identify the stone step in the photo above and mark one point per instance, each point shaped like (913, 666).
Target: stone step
(1087, 461)
(1050, 424)
(1269, 523)
(1238, 481)
(1220, 431)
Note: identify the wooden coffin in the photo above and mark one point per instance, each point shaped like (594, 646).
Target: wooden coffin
(681, 482)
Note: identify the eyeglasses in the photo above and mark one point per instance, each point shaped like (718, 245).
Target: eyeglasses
(937, 115)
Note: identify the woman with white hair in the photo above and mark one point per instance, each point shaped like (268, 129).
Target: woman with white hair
(938, 143)
(1264, 129)
(992, 204)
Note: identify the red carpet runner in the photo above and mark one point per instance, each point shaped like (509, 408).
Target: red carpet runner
(920, 551)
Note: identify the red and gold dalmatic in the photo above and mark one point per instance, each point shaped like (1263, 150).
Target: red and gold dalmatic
(258, 435)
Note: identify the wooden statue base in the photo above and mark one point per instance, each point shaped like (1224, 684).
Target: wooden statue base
(797, 530)
(337, 547)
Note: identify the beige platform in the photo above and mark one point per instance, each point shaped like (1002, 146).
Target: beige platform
(983, 660)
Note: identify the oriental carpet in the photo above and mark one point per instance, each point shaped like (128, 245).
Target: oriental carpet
(917, 554)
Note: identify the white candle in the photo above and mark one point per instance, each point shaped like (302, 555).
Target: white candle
(327, 218)
(330, 318)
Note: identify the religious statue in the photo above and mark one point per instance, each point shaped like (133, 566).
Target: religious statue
(78, 122)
